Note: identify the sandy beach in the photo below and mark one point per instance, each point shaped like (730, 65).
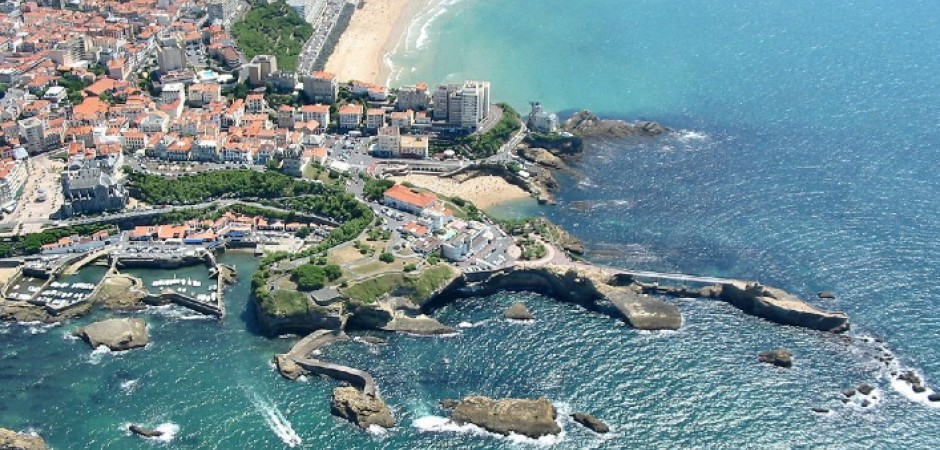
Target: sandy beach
(373, 31)
(483, 191)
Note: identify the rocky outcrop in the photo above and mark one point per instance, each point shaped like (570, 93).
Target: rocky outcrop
(116, 334)
(531, 418)
(421, 325)
(518, 311)
(145, 432)
(361, 409)
(11, 440)
(542, 157)
(827, 295)
(780, 357)
(315, 318)
(588, 125)
(588, 286)
(121, 293)
(645, 313)
(592, 423)
(780, 307)
(287, 367)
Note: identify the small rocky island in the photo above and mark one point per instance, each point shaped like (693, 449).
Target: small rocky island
(526, 417)
(115, 334)
(11, 440)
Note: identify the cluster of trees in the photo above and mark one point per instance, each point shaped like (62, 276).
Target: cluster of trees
(73, 87)
(373, 189)
(310, 277)
(486, 144)
(273, 28)
(191, 189)
(31, 243)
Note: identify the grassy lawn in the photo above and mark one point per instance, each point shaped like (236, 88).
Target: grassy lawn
(346, 255)
(288, 303)
(417, 288)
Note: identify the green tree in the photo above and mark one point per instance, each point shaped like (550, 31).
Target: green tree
(387, 257)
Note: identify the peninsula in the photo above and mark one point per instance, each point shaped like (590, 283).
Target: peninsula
(366, 204)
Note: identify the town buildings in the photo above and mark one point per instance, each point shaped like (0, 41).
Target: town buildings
(321, 87)
(93, 185)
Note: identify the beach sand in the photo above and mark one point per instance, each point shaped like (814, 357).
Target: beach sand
(483, 191)
(373, 32)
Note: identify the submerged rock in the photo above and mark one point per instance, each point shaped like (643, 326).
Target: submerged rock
(935, 397)
(820, 410)
(116, 334)
(591, 422)
(518, 311)
(373, 340)
(780, 357)
(826, 295)
(848, 392)
(11, 440)
(865, 389)
(530, 418)
(145, 432)
(361, 409)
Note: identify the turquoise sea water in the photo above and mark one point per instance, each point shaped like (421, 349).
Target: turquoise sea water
(806, 159)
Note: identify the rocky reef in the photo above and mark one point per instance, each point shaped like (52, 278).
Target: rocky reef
(588, 125)
(518, 311)
(532, 418)
(780, 357)
(115, 334)
(11, 440)
(590, 422)
(781, 307)
(361, 409)
(585, 285)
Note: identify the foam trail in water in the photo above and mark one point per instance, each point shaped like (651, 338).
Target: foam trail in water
(275, 420)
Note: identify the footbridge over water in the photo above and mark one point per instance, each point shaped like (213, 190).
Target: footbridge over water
(680, 277)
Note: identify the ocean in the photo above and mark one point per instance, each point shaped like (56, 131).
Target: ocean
(803, 156)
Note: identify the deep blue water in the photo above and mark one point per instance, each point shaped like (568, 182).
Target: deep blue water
(805, 159)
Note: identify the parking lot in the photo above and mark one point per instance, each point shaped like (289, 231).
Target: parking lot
(46, 174)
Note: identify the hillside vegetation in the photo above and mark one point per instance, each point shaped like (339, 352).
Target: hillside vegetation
(272, 29)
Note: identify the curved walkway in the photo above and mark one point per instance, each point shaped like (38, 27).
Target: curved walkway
(301, 351)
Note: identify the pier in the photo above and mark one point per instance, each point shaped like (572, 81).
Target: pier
(300, 355)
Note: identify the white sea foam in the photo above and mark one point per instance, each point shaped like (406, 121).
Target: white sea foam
(686, 136)
(436, 424)
(37, 327)
(98, 353)
(466, 324)
(275, 420)
(377, 431)
(129, 386)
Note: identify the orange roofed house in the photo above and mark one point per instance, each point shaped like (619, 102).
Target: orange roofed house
(402, 198)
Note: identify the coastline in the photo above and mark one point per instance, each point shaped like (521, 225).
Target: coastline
(373, 33)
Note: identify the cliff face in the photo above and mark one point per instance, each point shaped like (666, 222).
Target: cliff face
(13, 440)
(313, 320)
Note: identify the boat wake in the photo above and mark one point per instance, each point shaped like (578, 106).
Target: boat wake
(275, 420)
